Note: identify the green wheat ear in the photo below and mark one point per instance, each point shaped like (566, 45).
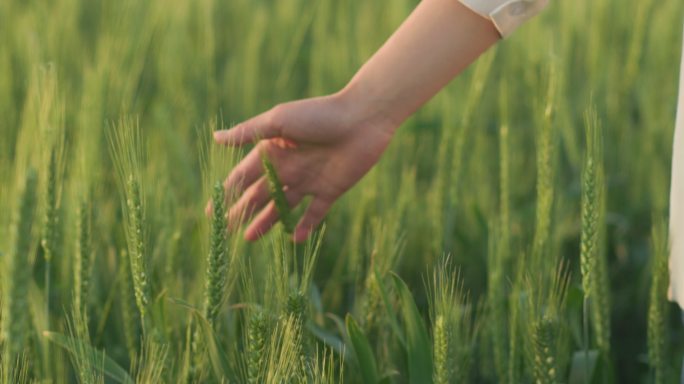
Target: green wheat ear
(440, 350)
(48, 239)
(217, 261)
(278, 195)
(593, 263)
(592, 188)
(137, 251)
(257, 334)
(126, 146)
(544, 334)
(83, 258)
(15, 313)
(453, 324)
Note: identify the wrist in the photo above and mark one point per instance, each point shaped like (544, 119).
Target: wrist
(368, 106)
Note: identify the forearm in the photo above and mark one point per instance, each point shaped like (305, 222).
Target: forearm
(437, 41)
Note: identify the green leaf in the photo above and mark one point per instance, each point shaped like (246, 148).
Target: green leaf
(157, 319)
(574, 302)
(418, 346)
(328, 338)
(339, 323)
(97, 359)
(391, 316)
(584, 367)
(315, 298)
(182, 303)
(362, 351)
(217, 356)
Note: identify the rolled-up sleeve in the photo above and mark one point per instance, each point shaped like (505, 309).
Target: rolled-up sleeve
(507, 15)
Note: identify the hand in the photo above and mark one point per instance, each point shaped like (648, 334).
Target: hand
(319, 147)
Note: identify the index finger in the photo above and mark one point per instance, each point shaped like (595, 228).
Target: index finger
(263, 126)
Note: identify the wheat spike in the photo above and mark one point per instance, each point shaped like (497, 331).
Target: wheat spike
(544, 345)
(15, 315)
(257, 339)
(278, 195)
(136, 246)
(83, 258)
(49, 236)
(217, 260)
(440, 350)
(454, 328)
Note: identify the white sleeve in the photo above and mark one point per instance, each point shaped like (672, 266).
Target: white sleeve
(507, 15)
(676, 291)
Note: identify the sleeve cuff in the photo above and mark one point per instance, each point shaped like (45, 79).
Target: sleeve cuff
(507, 15)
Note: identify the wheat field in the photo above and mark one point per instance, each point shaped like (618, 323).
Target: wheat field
(514, 231)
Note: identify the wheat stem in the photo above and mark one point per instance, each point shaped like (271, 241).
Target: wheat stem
(131, 317)
(657, 308)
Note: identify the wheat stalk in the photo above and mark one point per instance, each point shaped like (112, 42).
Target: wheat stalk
(593, 264)
(504, 171)
(454, 330)
(126, 147)
(545, 149)
(658, 306)
(129, 313)
(496, 301)
(546, 303)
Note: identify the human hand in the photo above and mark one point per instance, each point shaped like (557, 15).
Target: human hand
(319, 147)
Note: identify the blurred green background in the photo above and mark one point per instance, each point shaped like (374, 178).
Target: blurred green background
(74, 68)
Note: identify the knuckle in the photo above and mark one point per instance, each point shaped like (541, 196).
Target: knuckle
(276, 118)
